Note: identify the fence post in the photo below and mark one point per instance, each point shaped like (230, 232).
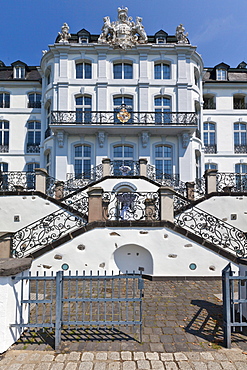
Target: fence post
(106, 162)
(143, 166)
(40, 179)
(210, 179)
(5, 245)
(190, 190)
(226, 273)
(95, 208)
(59, 282)
(166, 203)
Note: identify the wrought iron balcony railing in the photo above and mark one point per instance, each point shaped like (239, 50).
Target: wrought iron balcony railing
(135, 118)
(239, 105)
(210, 149)
(240, 149)
(166, 179)
(34, 104)
(213, 230)
(209, 105)
(4, 148)
(131, 206)
(17, 180)
(33, 148)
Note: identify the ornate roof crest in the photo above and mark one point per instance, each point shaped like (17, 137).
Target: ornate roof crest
(123, 33)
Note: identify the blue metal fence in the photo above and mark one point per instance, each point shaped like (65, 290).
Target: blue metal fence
(94, 301)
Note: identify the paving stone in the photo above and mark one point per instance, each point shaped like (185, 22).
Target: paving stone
(157, 365)
(71, 366)
(152, 356)
(57, 366)
(143, 364)
(240, 365)
(213, 365)
(101, 356)
(170, 365)
(126, 355)
(129, 365)
(166, 356)
(156, 347)
(219, 356)
(87, 356)
(73, 356)
(43, 366)
(113, 356)
(227, 365)
(154, 338)
(115, 366)
(207, 356)
(14, 366)
(100, 366)
(180, 356)
(86, 365)
(199, 365)
(184, 365)
(194, 356)
(47, 358)
(28, 367)
(139, 356)
(22, 357)
(60, 358)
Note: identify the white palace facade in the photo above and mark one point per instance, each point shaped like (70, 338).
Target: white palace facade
(124, 112)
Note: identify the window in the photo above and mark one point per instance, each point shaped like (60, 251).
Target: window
(34, 100)
(122, 71)
(161, 71)
(209, 102)
(48, 78)
(163, 160)
(210, 166)
(4, 136)
(84, 70)
(162, 107)
(83, 161)
(241, 176)
(123, 155)
(122, 102)
(209, 137)
(33, 137)
(31, 175)
(83, 109)
(48, 163)
(4, 176)
(19, 72)
(4, 100)
(221, 74)
(3, 167)
(239, 102)
(240, 138)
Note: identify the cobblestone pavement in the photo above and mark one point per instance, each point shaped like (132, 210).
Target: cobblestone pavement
(178, 316)
(233, 359)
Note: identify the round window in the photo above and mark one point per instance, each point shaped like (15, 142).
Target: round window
(65, 266)
(192, 266)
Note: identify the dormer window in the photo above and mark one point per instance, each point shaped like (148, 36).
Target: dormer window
(221, 74)
(83, 40)
(160, 40)
(19, 72)
(160, 37)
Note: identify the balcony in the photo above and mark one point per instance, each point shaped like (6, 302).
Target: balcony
(239, 105)
(238, 149)
(33, 148)
(210, 149)
(34, 104)
(209, 105)
(4, 148)
(174, 122)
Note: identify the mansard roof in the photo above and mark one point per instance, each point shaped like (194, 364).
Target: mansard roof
(238, 74)
(7, 72)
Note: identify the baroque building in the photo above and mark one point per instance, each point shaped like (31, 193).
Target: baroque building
(126, 113)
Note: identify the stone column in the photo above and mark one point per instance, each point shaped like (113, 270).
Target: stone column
(143, 166)
(166, 203)
(149, 210)
(210, 178)
(190, 190)
(59, 186)
(10, 293)
(106, 162)
(95, 209)
(40, 179)
(5, 245)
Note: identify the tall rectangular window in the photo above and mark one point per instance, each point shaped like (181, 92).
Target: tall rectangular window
(122, 71)
(4, 136)
(84, 70)
(4, 100)
(162, 71)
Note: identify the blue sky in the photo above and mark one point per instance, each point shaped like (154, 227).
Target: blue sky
(217, 27)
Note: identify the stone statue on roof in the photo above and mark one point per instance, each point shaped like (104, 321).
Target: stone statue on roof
(181, 35)
(123, 33)
(64, 35)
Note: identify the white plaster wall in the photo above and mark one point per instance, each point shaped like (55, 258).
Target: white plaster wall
(171, 253)
(10, 296)
(29, 209)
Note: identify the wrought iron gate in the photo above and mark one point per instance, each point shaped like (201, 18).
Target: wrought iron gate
(56, 302)
(234, 303)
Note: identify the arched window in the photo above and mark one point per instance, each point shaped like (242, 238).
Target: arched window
(48, 162)
(162, 106)
(84, 70)
(162, 71)
(4, 136)
(122, 71)
(240, 138)
(4, 176)
(209, 137)
(163, 160)
(33, 136)
(4, 100)
(209, 101)
(83, 109)
(34, 100)
(239, 101)
(123, 156)
(82, 161)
